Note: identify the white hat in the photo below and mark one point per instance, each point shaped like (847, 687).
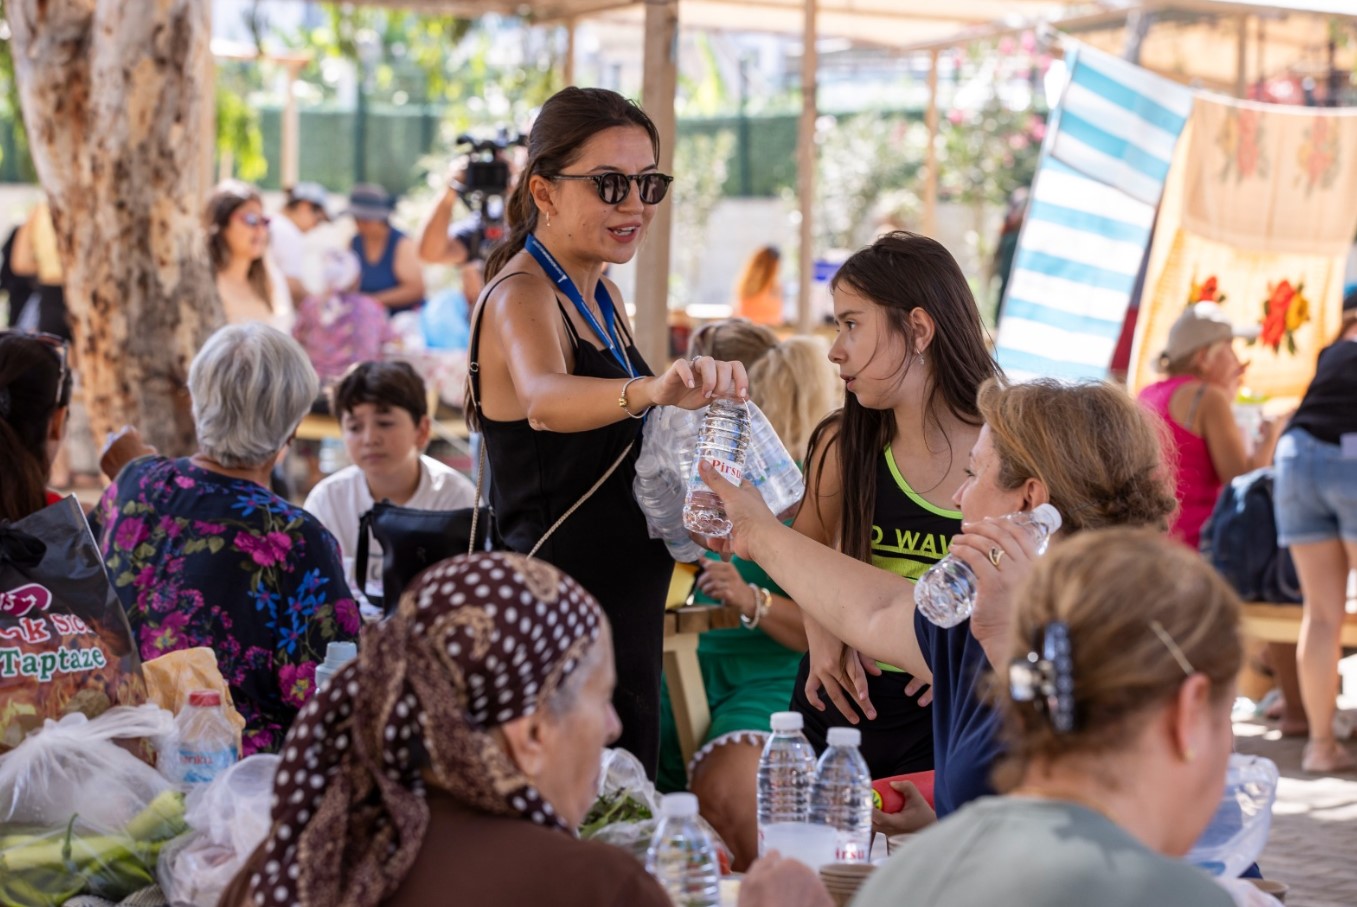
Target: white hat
(1202, 324)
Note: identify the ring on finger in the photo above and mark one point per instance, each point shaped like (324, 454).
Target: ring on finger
(996, 554)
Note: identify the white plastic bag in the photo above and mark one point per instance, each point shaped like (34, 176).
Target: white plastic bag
(229, 818)
(81, 815)
(1239, 829)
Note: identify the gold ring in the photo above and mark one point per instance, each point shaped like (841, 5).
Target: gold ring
(995, 556)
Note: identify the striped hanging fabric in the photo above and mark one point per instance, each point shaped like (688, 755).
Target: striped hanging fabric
(1090, 216)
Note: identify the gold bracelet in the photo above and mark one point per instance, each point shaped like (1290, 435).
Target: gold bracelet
(622, 399)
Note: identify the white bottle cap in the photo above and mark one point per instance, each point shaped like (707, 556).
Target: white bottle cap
(844, 736)
(787, 721)
(678, 806)
(338, 654)
(1047, 516)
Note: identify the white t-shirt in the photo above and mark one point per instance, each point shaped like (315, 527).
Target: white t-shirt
(287, 245)
(340, 500)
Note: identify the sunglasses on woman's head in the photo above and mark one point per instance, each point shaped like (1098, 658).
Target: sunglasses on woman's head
(250, 219)
(613, 188)
(58, 347)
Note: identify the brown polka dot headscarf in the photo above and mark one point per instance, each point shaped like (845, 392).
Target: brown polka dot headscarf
(477, 641)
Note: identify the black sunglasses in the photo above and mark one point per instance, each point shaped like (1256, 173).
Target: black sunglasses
(613, 188)
(58, 347)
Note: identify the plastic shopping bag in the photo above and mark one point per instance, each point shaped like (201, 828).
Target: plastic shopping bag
(65, 646)
(627, 810)
(229, 818)
(79, 814)
(1238, 831)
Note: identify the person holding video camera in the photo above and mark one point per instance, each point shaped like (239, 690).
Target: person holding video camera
(482, 181)
(559, 390)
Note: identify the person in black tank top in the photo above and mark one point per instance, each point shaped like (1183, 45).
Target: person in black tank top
(559, 390)
(882, 474)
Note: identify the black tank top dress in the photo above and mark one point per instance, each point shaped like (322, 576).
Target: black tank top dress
(536, 476)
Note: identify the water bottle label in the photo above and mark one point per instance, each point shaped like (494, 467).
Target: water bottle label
(201, 766)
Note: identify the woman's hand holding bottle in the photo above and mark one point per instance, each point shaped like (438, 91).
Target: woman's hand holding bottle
(692, 383)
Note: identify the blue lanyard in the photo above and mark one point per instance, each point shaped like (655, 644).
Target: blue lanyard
(608, 335)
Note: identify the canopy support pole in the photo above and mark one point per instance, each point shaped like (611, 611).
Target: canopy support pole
(805, 165)
(568, 64)
(659, 83)
(930, 222)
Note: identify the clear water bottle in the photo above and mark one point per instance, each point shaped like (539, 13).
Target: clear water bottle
(682, 857)
(661, 475)
(205, 742)
(337, 654)
(786, 771)
(945, 594)
(769, 467)
(723, 441)
(841, 796)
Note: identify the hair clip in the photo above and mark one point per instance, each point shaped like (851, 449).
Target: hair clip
(1045, 678)
(1174, 649)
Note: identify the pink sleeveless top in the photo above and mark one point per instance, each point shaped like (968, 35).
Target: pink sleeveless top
(1197, 485)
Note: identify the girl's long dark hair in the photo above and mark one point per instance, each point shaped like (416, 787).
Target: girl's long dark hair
(902, 272)
(31, 389)
(568, 120)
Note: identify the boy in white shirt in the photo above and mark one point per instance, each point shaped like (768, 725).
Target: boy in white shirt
(383, 415)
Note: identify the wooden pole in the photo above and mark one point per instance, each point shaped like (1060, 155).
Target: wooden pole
(659, 82)
(568, 64)
(806, 166)
(1241, 79)
(291, 150)
(931, 152)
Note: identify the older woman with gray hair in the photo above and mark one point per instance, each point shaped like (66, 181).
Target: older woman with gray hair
(202, 553)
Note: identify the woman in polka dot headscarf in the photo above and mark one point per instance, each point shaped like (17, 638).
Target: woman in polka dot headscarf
(453, 759)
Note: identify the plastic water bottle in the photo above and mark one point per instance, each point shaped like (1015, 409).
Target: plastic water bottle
(841, 796)
(769, 467)
(682, 857)
(661, 470)
(786, 772)
(205, 742)
(337, 654)
(945, 594)
(723, 441)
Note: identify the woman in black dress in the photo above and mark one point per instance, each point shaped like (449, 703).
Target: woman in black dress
(561, 389)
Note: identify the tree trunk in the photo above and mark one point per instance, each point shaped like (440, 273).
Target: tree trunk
(116, 97)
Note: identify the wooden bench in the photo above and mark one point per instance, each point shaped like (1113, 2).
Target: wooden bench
(1281, 623)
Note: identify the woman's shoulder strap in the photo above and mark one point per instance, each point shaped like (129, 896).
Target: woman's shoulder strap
(474, 340)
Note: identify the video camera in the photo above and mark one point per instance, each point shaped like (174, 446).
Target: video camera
(487, 181)
(487, 171)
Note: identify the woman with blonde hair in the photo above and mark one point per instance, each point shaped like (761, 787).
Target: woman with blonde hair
(748, 670)
(238, 244)
(1115, 692)
(1087, 449)
(758, 291)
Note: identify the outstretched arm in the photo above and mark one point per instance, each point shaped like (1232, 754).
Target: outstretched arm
(869, 609)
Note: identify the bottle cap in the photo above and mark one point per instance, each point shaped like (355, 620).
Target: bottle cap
(337, 654)
(1047, 516)
(844, 736)
(787, 721)
(678, 806)
(205, 699)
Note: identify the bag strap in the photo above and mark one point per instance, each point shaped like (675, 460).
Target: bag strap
(360, 566)
(586, 496)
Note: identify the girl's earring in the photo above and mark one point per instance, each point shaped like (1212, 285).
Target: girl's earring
(548, 220)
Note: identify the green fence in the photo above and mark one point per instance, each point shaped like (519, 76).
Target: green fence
(396, 138)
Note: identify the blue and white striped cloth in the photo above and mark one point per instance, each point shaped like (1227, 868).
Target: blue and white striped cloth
(1089, 219)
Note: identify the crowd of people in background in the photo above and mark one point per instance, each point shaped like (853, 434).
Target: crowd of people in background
(468, 732)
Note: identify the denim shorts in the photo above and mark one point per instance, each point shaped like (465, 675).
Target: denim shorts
(1315, 492)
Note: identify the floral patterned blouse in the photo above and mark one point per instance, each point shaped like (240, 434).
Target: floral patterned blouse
(201, 559)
